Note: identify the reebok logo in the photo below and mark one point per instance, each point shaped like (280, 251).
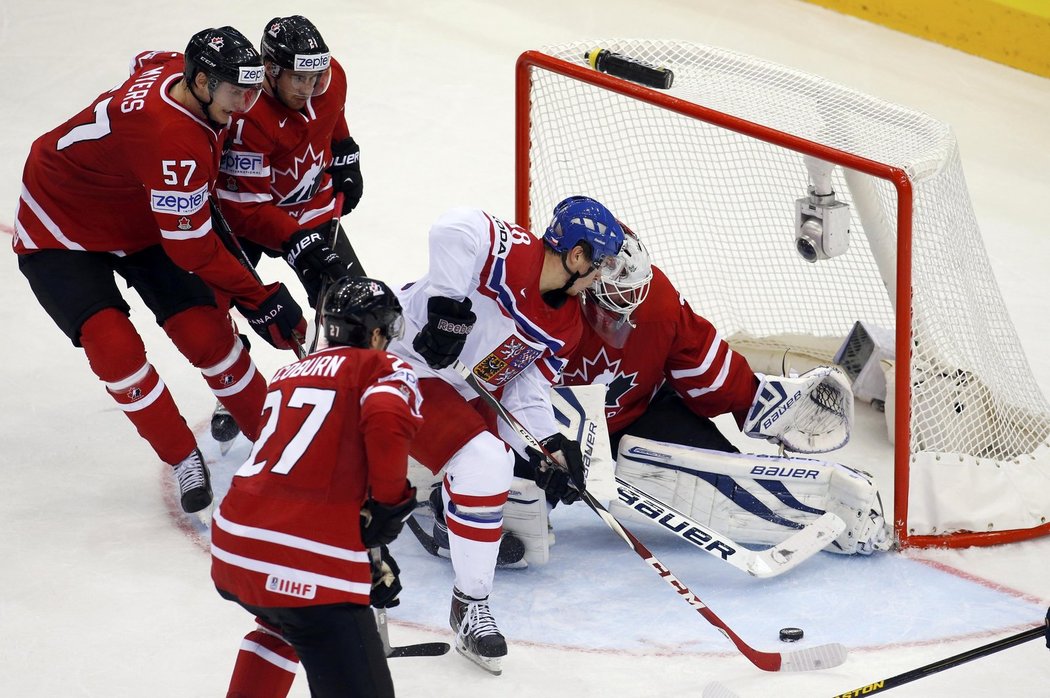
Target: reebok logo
(462, 328)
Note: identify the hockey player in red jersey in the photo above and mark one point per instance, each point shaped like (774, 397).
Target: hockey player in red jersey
(326, 482)
(291, 153)
(123, 187)
(286, 159)
(502, 302)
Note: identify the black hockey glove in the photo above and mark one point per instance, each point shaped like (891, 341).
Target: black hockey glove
(386, 579)
(346, 173)
(278, 319)
(562, 482)
(380, 523)
(308, 252)
(442, 338)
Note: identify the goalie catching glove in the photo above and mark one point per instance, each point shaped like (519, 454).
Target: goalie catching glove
(565, 477)
(313, 259)
(448, 323)
(811, 413)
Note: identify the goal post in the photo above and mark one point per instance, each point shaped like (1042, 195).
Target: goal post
(709, 173)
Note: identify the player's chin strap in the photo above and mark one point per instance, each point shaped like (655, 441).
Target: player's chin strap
(204, 105)
(557, 298)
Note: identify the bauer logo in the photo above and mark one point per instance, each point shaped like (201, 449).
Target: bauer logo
(180, 203)
(639, 451)
(243, 164)
(311, 64)
(250, 75)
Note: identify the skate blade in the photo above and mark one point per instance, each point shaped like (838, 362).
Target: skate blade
(493, 665)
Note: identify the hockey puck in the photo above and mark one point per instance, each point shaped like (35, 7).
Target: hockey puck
(790, 634)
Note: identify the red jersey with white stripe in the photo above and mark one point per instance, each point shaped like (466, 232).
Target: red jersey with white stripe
(669, 343)
(273, 180)
(519, 343)
(132, 170)
(336, 429)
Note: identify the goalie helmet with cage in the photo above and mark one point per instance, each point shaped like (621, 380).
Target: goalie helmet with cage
(624, 282)
(354, 307)
(224, 55)
(294, 44)
(581, 219)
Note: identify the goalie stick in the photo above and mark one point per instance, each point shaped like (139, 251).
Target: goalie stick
(770, 562)
(717, 690)
(811, 658)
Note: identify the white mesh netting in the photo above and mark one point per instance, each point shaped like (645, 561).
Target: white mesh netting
(716, 209)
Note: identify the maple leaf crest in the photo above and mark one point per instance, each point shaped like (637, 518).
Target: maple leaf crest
(602, 370)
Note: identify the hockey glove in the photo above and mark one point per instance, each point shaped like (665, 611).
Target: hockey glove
(346, 173)
(442, 338)
(564, 478)
(386, 580)
(278, 319)
(380, 523)
(313, 259)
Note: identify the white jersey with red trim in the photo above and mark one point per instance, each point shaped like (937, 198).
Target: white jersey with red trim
(273, 177)
(519, 343)
(132, 170)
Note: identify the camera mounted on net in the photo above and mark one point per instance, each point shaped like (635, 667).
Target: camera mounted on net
(821, 222)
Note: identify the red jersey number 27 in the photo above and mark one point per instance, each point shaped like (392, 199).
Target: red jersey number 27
(318, 401)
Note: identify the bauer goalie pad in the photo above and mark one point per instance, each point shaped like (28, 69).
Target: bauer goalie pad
(755, 499)
(811, 413)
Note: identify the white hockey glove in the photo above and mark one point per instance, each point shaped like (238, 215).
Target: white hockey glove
(811, 413)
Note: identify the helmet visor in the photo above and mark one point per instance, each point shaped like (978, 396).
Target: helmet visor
(235, 97)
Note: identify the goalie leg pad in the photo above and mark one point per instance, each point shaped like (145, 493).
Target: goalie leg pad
(526, 516)
(755, 499)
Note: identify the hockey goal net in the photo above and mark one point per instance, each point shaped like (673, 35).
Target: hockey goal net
(708, 173)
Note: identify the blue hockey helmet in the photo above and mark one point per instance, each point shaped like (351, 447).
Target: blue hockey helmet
(581, 219)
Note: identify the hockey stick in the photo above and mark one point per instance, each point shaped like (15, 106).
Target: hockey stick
(333, 233)
(229, 241)
(770, 562)
(422, 649)
(425, 539)
(718, 690)
(821, 657)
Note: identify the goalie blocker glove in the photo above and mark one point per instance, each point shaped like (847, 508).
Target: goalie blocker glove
(563, 482)
(448, 323)
(345, 171)
(381, 523)
(278, 319)
(309, 254)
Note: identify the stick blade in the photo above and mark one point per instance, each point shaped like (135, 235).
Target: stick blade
(814, 658)
(801, 546)
(423, 649)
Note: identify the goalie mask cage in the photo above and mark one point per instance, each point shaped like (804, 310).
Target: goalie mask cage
(708, 173)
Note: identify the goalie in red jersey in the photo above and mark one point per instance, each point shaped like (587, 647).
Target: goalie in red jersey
(668, 371)
(122, 188)
(325, 483)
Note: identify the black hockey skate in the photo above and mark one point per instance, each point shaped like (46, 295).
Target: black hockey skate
(194, 482)
(477, 636)
(511, 553)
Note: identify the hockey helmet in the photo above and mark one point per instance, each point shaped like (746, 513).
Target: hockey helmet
(225, 55)
(624, 282)
(293, 43)
(355, 306)
(580, 219)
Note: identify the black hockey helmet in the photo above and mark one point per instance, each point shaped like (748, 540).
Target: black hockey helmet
(354, 307)
(295, 44)
(223, 54)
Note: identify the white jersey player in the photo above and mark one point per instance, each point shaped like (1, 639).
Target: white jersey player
(495, 298)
